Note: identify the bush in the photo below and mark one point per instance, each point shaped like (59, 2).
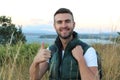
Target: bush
(9, 33)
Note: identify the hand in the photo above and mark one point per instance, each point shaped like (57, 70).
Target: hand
(77, 52)
(42, 55)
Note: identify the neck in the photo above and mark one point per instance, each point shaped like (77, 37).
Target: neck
(66, 41)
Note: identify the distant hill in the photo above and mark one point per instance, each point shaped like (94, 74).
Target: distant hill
(105, 36)
(48, 31)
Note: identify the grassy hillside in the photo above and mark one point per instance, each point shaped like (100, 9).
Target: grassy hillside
(15, 61)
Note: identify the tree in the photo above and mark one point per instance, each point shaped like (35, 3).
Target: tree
(9, 33)
(118, 38)
(118, 33)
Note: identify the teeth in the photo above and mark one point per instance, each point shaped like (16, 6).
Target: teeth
(65, 30)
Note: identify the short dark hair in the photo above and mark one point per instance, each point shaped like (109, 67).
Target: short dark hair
(63, 10)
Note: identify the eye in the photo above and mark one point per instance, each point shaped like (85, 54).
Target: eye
(68, 21)
(59, 22)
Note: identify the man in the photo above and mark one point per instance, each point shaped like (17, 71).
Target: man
(68, 58)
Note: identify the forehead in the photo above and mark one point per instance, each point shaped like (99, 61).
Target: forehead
(63, 16)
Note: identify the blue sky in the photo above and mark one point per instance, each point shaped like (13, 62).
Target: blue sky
(90, 15)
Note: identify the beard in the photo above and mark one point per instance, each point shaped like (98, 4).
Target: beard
(65, 37)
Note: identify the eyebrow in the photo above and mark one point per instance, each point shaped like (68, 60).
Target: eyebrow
(67, 20)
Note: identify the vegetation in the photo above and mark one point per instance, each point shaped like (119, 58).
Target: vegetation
(15, 61)
(110, 60)
(9, 33)
(117, 39)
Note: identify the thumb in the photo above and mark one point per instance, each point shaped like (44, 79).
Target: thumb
(42, 45)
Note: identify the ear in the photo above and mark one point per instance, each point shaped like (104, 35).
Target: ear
(74, 24)
(54, 25)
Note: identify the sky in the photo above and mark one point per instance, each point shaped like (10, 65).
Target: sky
(90, 15)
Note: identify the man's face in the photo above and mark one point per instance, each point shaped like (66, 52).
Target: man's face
(64, 25)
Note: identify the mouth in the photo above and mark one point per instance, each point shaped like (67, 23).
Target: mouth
(64, 29)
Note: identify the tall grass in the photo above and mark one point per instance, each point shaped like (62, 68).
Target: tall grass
(110, 55)
(15, 61)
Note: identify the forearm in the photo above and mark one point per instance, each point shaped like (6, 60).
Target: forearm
(85, 72)
(38, 70)
(34, 71)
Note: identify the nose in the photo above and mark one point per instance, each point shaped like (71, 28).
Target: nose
(64, 24)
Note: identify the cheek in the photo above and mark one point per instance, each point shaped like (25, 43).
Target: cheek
(55, 27)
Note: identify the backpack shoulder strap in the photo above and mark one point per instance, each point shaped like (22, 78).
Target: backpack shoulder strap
(99, 64)
(85, 48)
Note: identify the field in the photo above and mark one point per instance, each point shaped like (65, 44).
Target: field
(15, 60)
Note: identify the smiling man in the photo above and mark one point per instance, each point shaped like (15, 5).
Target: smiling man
(68, 58)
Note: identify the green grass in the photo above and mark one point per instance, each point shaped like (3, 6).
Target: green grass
(16, 60)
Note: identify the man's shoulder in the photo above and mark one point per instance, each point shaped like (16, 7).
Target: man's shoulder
(52, 47)
(84, 45)
(91, 49)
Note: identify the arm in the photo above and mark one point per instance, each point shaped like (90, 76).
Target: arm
(87, 73)
(38, 70)
(40, 64)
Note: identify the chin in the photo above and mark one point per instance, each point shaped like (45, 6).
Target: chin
(65, 37)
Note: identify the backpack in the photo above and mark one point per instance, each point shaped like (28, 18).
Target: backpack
(99, 65)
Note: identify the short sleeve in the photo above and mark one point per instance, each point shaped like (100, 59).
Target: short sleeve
(91, 57)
